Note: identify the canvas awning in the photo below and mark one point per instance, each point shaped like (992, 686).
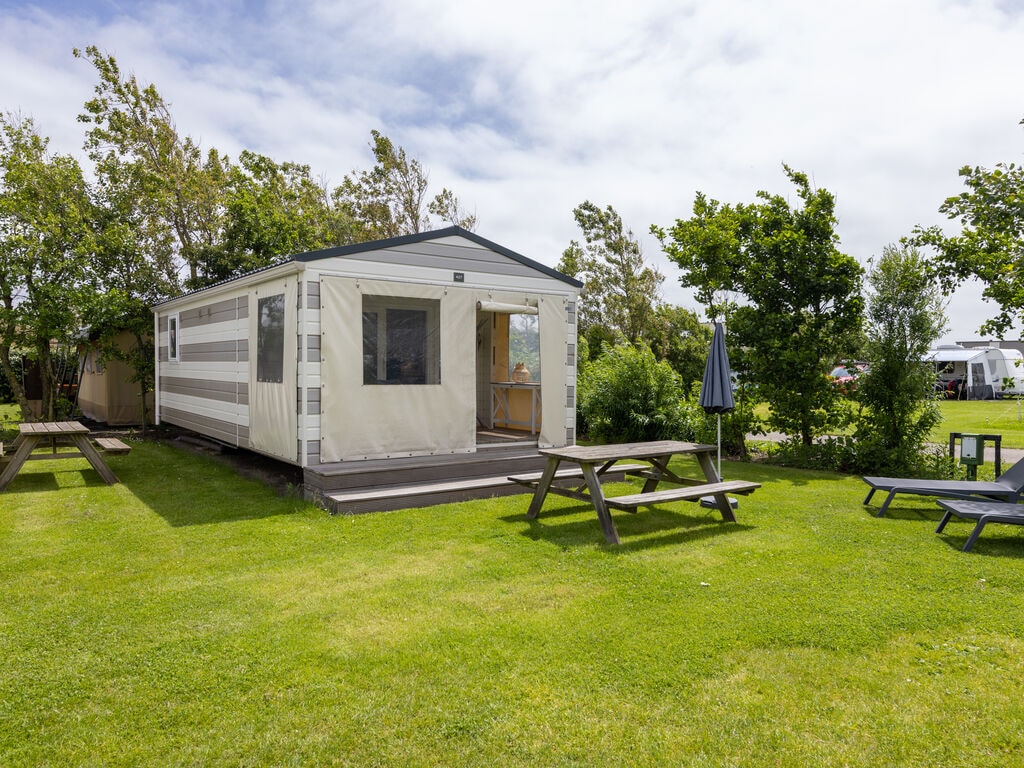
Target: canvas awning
(955, 355)
(506, 309)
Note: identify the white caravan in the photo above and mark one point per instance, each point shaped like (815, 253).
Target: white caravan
(978, 373)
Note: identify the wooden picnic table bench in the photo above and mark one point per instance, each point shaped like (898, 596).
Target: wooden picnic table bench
(596, 461)
(51, 434)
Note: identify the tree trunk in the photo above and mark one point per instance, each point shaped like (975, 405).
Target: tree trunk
(15, 381)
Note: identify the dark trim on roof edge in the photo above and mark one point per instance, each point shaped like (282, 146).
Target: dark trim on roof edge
(392, 242)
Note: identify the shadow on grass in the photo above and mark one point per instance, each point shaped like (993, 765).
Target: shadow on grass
(929, 511)
(201, 490)
(650, 528)
(1008, 545)
(33, 478)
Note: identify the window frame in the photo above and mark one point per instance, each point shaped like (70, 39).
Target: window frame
(174, 338)
(377, 337)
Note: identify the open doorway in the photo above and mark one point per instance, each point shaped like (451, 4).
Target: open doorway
(508, 374)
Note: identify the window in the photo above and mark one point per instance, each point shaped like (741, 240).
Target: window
(173, 352)
(270, 340)
(401, 340)
(524, 344)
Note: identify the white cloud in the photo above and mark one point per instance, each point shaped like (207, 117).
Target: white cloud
(527, 109)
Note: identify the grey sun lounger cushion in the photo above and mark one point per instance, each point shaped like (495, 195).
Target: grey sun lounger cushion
(1007, 487)
(982, 511)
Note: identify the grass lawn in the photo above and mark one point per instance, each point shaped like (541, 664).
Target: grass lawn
(990, 417)
(191, 617)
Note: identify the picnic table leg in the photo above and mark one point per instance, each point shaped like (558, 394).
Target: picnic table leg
(92, 455)
(542, 486)
(721, 500)
(597, 497)
(19, 458)
(659, 467)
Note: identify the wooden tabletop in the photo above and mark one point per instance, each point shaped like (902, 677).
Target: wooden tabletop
(595, 453)
(52, 428)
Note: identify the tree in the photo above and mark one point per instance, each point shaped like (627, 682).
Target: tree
(680, 338)
(905, 316)
(390, 199)
(620, 291)
(713, 233)
(45, 241)
(271, 210)
(990, 245)
(133, 138)
(801, 306)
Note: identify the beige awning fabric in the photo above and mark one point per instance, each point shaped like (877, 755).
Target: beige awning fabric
(507, 309)
(554, 368)
(376, 421)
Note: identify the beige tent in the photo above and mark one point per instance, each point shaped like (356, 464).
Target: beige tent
(387, 349)
(105, 390)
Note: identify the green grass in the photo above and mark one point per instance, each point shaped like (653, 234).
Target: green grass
(991, 417)
(191, 617)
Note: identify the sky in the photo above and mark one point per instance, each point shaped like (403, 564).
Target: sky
(527, 109)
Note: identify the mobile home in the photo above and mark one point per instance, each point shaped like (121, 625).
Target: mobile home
(378, 351)
(978, 373)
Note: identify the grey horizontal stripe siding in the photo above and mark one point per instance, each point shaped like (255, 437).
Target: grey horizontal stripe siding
(440, 256)
(313, 401)
(218, 312)
(313, 293)
(225, 431)
(236, 351)
(222, 391)
(571, 357)
(313, 349)
(313, 452)
(570, 397)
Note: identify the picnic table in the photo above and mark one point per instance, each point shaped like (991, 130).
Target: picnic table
(594, 462)
(52, 434)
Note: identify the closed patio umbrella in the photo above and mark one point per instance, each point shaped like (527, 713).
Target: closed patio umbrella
(716, 386)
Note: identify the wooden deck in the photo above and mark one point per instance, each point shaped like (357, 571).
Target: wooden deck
(377, 485)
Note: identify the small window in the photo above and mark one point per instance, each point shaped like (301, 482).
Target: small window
(173, 340)
(270, 340)
(401, 340)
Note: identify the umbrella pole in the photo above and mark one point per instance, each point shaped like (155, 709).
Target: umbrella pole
(719, 446)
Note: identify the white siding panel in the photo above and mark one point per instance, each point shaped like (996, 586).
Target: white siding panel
(229, 412)
(237, 372)
(211, 332)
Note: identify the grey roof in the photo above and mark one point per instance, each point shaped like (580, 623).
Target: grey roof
(377, 245)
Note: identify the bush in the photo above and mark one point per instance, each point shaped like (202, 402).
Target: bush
(626, 395)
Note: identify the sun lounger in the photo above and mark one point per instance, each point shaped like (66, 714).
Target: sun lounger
(982, 511)
(1007, 487)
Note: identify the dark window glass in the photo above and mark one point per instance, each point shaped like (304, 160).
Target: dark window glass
(270, 340)
(401, 340)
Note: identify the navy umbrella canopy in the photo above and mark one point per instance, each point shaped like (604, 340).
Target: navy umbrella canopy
(716, 386)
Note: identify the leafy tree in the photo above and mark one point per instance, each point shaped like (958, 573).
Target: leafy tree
(713, 233)
(620, 291)
(273, 210)
(801, 304)
(45, 241)
(990, 245)
(391, 200)
(680, 338)
(905, 316)
(133, 139)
